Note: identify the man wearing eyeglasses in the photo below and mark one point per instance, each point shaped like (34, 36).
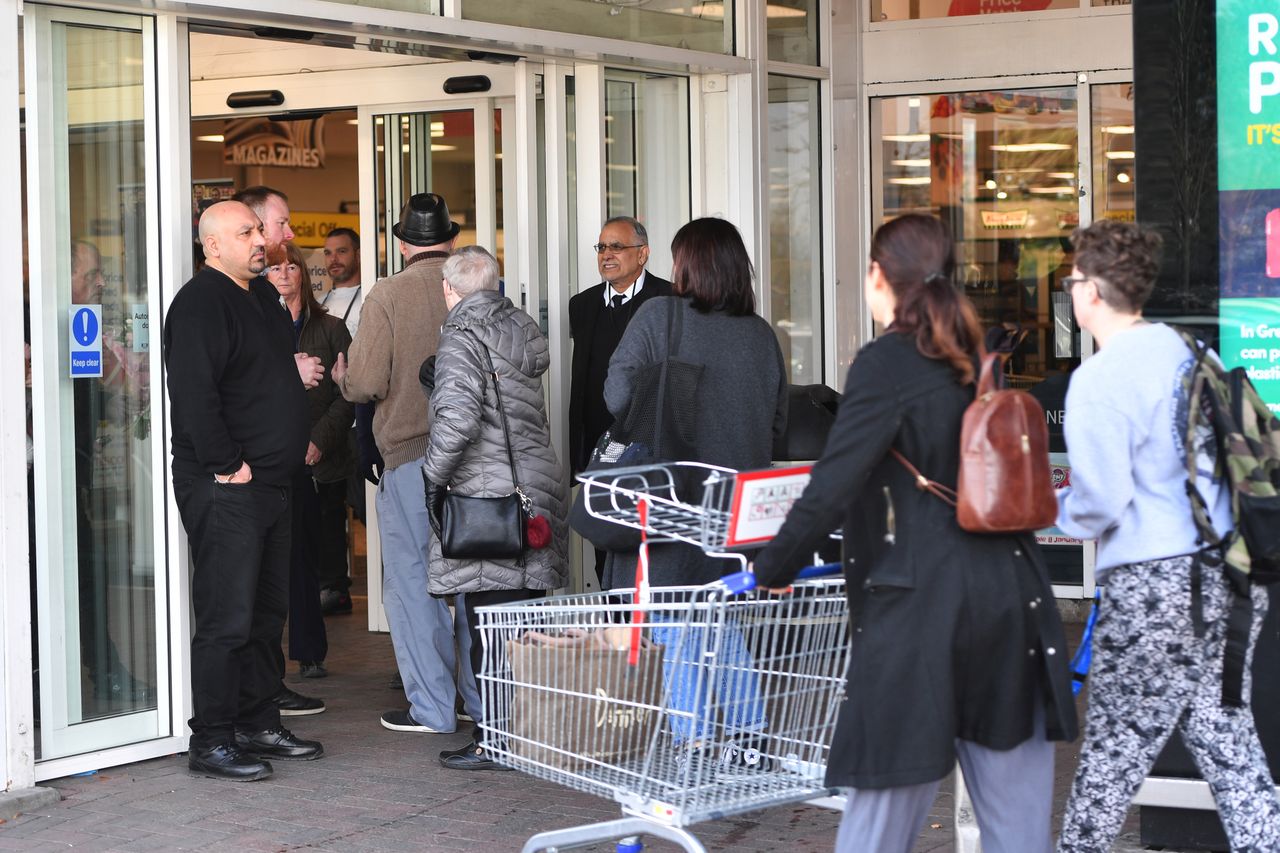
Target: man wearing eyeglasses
(597, 318)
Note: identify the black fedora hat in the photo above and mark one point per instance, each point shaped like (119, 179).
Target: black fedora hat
(424, 221)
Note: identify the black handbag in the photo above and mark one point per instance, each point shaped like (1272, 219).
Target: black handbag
(484, 528)
(658, 426)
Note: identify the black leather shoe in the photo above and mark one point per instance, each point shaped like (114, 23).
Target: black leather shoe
(470, 757)
(279, 743)
(227, 761)
(293, 704)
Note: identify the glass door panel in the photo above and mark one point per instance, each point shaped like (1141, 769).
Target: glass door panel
(1001, 169)
(417, 149)
(91, 165)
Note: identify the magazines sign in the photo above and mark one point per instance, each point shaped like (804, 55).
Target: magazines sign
(259, 141)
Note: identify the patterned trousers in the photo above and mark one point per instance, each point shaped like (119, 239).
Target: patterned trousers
(1150, 674)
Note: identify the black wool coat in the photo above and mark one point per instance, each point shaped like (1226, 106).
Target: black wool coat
(954, 634)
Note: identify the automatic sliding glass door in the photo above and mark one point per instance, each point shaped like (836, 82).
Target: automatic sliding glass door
(98, 565)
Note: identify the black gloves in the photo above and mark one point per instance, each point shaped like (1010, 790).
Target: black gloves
(427, 375)
(435, 503)
(370, 460)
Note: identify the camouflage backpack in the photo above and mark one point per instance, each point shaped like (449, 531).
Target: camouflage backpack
(1246, 445)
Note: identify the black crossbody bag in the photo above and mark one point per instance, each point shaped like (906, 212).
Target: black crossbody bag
(483, 528)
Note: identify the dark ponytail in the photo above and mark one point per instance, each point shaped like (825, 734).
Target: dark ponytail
(917, 257)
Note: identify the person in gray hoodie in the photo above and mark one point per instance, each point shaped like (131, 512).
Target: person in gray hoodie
(467, 451)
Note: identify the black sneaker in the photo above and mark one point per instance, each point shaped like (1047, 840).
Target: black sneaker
(403, 721)
(279, 743)
(470, 757)
(333, 601)
(296, 705)
(227, 761)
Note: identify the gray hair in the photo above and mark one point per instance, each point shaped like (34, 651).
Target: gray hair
(471, 269)
(642, 236)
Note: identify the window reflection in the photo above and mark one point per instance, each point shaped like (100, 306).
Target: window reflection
(795, 225)
(692, 24)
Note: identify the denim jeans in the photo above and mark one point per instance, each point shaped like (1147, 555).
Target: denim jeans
(694, 670)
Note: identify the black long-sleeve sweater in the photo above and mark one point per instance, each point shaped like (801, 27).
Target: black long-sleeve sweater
(233, 381)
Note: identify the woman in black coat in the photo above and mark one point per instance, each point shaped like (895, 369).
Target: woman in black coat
(957, 650)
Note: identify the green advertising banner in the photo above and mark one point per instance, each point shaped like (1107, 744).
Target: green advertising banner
(1248, 42)
(1248, 94)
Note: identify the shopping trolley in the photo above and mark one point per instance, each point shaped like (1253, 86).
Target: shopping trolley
(683, 704)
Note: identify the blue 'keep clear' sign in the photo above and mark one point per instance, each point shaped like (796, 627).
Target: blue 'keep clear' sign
(84, 341)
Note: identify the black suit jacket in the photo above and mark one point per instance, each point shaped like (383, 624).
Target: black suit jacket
(583, 310)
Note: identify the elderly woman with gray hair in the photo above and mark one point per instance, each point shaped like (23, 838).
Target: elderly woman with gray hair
(467, 451)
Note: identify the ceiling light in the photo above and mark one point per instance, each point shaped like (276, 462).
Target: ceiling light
(1119, 155)
(905, 137)
(355, 121)
(1052, 190)
(991, 184)
(912, 164)
(1027, 147)
(1002, 195)
(1063, 176)
(436, 146)
(914, 103)
(212, 137)
(911, 181)
(1123, 177)
(1118, 129)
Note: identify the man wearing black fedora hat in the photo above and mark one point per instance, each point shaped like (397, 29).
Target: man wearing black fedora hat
(399, 329)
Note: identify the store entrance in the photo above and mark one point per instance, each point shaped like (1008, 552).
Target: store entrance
(348, 158)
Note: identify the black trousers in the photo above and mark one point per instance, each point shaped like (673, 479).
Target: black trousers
(239, 537)
(327, 528)
(308, 641)
(472, 600)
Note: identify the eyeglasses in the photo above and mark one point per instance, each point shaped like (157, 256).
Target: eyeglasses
(615, 248)
(1072, 280)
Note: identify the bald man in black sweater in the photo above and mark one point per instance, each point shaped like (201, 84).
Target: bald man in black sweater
(240, 431)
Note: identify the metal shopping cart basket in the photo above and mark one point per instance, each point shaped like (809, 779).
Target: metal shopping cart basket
(683, 704)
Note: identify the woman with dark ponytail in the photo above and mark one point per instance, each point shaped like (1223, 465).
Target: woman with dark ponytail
(957, 653)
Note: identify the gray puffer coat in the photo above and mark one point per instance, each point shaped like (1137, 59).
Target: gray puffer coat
(467, 450)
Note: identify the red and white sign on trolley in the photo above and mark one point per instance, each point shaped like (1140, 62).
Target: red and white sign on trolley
(761, 501)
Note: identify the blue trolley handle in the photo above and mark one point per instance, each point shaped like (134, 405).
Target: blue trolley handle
(1084, 655)
(741, 582)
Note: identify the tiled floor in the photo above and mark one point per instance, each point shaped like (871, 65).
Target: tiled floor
(377, 790)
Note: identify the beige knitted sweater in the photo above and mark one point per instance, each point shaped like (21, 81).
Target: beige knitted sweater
(399, 328)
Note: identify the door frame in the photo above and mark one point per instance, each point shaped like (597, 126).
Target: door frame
(482, 110)
(145, 733)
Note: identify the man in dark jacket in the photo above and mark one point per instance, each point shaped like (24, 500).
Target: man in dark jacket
(597, 318)
(239, 434)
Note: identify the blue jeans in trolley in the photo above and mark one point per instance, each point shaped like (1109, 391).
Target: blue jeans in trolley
(689, 675)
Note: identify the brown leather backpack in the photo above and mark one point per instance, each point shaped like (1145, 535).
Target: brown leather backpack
(1003, 484)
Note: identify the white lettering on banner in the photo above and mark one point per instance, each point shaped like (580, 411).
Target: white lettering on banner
(275, 155)
(618, 717)
(1264, 76)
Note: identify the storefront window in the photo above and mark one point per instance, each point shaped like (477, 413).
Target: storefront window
(909, 10)
(1114, 178)
(646, 151)
(1000, 168)
(792, 31)
(701, 25)
(795, 225)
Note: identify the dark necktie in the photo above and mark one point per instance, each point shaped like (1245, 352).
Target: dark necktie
(617, 300)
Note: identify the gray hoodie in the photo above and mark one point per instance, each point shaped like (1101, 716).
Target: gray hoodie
(468, 452)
